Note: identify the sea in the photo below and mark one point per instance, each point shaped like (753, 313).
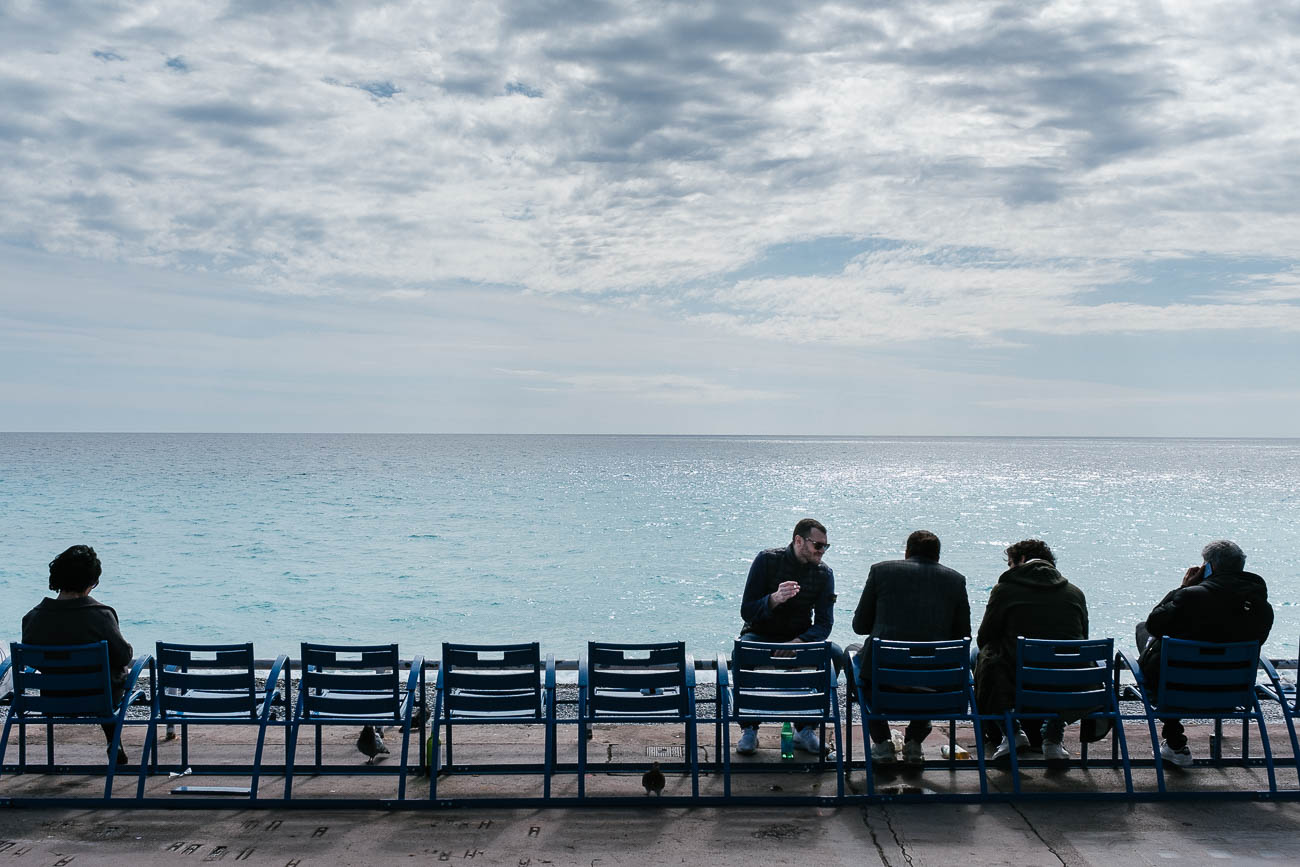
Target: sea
(421, 539)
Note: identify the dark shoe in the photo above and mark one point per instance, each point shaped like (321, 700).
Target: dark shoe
(122, 758)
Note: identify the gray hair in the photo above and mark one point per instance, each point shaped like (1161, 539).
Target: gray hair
(1224, 556)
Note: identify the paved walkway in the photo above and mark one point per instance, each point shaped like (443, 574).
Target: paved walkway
(1021, 834)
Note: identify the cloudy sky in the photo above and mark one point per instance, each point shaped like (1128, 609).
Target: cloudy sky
(911, 217)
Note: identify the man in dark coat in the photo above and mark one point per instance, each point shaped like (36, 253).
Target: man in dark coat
(1217, 601)
(790, 598)
(75, 617)
(913, 599)
(1031, 599)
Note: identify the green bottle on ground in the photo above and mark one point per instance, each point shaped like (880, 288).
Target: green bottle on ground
(787, 741)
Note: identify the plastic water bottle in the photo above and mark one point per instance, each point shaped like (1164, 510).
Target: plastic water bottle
(787, 741)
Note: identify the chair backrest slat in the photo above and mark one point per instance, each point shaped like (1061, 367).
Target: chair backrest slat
(217, 705)
(516, 704)
(655, 704)
(332, 704)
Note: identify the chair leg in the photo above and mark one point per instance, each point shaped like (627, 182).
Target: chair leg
(150, 736)
(1010, 732)
(257, 762)
(582, 758)
(1268, 750)
(290, 747)
(112, 761)
(4, 743)
(406, 744)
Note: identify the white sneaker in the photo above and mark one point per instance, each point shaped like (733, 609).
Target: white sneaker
(1055, 751)
(1004, 749)
(913, 753)
(807, 740)
(883, 753)
(748, 743)
(1182, 758)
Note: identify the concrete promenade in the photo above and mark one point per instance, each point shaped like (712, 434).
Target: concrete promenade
(643, 831)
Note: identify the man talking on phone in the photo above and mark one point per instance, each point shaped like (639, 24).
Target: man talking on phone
(1218, 601)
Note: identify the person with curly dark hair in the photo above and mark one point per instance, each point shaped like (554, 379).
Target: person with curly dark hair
(1031, 599)
(76, 617)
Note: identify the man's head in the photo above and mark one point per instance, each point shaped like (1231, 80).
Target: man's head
(76, 570)
(809, 541)
(1029, 549)
(1224, 556)
(923, 544)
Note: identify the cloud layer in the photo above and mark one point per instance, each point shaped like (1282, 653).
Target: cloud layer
(996, 172)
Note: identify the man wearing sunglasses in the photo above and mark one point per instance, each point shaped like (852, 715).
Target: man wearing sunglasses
(790, 598)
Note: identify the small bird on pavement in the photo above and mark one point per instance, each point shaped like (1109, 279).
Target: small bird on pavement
(653, 780)
(371, 743)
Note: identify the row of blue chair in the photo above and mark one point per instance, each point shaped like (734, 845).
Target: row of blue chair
(476, 685)
(621, 683)
(1078, 680)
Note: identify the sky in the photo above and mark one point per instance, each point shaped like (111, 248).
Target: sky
(886, 218)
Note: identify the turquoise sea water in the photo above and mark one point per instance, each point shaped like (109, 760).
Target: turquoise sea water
(561, 539)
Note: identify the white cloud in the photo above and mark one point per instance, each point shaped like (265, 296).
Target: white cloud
(1023, 168)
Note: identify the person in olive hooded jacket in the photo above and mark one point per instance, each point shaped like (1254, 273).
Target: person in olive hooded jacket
(1034, 600)
(1217, 601)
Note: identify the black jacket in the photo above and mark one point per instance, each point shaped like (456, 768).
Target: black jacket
(912, 600)
(80, 621)
(809, 615)
(1033, 600)
(1227, 606)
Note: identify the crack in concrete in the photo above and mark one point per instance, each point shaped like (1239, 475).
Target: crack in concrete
(893, 832)
(1050, 848)
(898, 841)
(875, 840)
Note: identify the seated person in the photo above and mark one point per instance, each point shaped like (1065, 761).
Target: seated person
(789, 598)
(913, 599)
(75, 617)
(1033, 600)
(1217, 601)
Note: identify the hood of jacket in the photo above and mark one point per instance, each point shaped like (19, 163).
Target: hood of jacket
(1033, 573)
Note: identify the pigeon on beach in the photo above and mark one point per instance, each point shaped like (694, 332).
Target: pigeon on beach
(371, 743)
(653, 780)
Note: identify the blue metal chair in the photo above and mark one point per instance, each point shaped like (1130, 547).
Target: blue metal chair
(638, 684)
(917, 680)
(214, 684)
(770, 682)
(68, 685)
(356, 686)
(1205, 680)
(486, 684)
(1071, 680)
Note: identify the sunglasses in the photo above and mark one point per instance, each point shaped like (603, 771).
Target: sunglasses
(816, 546)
